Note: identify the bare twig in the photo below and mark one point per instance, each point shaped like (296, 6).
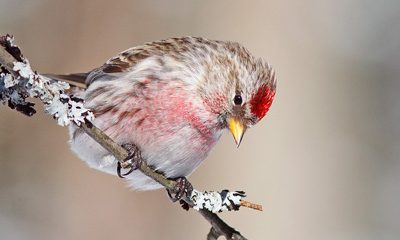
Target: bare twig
(251, 205)
(219, 227)
(213, 234)
(10, 55)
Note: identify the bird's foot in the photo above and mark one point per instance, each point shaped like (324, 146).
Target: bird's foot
(182, 187)
(132, 162)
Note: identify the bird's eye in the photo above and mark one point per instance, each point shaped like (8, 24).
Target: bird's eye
(237, 100)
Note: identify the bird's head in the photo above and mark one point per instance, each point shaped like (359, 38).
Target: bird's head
(239, 89)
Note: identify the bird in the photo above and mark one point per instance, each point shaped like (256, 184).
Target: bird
(171, 99)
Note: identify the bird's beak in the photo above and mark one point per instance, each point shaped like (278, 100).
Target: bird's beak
(237, 129)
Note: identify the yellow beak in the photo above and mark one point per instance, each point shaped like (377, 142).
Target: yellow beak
(237, 129)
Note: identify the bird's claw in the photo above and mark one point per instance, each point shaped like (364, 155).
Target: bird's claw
(182, 187)
(132, 162)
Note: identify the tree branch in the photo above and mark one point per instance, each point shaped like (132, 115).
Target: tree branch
(219, 227)
(121, 154)
(23, 76)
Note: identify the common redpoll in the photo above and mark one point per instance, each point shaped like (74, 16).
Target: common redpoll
(172, 99)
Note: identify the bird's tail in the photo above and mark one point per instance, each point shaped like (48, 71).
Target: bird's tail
(75, 79)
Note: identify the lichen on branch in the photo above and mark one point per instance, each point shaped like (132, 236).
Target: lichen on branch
(22, 82)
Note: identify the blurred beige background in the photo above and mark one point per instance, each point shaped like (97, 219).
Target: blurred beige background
(324, 162)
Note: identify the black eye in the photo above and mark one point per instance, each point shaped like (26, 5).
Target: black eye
(237, 100)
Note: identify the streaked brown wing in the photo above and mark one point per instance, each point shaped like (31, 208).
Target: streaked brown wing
(123, 62)
(119, 64)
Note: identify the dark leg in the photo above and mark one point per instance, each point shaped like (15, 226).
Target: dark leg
(134, 160)
(182, 187)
